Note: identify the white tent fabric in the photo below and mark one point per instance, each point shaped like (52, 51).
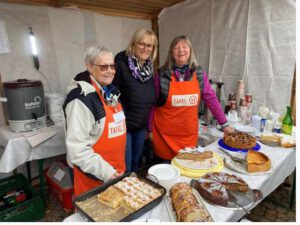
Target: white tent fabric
(62, 36)
(250, 40)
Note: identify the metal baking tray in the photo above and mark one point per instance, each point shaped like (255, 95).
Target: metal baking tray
(126, 216)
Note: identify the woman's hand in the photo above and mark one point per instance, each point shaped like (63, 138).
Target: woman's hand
(116, 174)
(149, 136)
(228, 130)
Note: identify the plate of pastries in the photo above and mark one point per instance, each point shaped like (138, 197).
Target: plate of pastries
(255, 163)
(277, 140)
(196, 164)
(186, 205)
(214, 188)
(239, 142)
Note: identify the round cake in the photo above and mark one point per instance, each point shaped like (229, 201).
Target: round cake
(239, 140)
(213, 187)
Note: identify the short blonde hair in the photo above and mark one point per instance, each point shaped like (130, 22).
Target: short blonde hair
(169, 63)
(138, 36)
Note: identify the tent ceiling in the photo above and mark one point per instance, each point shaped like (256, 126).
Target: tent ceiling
(143, 9)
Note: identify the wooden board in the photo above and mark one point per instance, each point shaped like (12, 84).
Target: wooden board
(142, 9)
(2, 105)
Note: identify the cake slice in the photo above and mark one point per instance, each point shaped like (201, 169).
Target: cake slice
(257, 162)
(197, 156)
(195, 213)
(111, 197)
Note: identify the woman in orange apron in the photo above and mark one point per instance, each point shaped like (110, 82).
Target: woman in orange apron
(95, 123)
(180, 86)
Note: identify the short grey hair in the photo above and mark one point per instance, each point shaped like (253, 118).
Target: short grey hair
(93, 52)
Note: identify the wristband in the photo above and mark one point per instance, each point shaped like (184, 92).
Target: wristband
(226, 124)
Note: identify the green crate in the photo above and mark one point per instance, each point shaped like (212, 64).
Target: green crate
(32, 209)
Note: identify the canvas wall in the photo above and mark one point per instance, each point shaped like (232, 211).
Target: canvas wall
(62, 36)
(250, 40)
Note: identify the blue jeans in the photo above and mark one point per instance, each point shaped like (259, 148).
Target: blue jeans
(134, 149)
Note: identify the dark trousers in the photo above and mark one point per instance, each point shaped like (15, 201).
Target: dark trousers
(134, 149)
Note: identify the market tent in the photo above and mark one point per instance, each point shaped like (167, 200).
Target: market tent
(252, 40)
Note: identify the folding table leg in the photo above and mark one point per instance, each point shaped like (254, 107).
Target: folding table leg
(28, 167)
(293, 193)
(42, 180)
(291, 196)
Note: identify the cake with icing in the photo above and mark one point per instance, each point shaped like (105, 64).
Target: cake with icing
(213, 187)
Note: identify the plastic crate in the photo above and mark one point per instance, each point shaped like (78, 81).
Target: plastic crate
(59, 181)
(30, 210)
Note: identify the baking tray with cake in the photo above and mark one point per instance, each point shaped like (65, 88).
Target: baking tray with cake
(125, 198)
(214, 188)
(239, 142)
(184, 204)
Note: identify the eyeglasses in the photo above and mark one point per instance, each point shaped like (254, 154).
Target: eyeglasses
(144, 45)
(105, 67)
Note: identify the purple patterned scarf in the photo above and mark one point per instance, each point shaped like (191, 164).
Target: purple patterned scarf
(182, 73)
(142, 73)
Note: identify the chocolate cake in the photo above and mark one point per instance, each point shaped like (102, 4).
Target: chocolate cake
(213, 187)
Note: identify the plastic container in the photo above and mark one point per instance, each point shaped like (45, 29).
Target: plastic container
(59, 180)
(54, 102)
(32, 209)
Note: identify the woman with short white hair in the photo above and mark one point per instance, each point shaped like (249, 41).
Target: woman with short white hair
(95, 123)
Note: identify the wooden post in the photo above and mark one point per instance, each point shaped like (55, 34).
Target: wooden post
(293, 98)
(155, 30)
(1, 94)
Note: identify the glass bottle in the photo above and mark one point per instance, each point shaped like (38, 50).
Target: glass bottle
(287, 122)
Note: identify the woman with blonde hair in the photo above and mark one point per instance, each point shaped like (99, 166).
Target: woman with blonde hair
(134, 79)
(180, 86)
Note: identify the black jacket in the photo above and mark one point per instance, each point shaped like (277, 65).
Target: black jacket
(137, 98)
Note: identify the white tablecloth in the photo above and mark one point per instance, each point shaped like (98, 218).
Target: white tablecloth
(283, 164)
(18, 151)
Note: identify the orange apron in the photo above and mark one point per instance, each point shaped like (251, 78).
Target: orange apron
(175, 124)
(111, 146)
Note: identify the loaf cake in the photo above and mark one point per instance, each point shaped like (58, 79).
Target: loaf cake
(196, 156)
(273, 138)
(213, 187)
(186, 206)
(283, 140)
(257, 162)
(239, 140)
